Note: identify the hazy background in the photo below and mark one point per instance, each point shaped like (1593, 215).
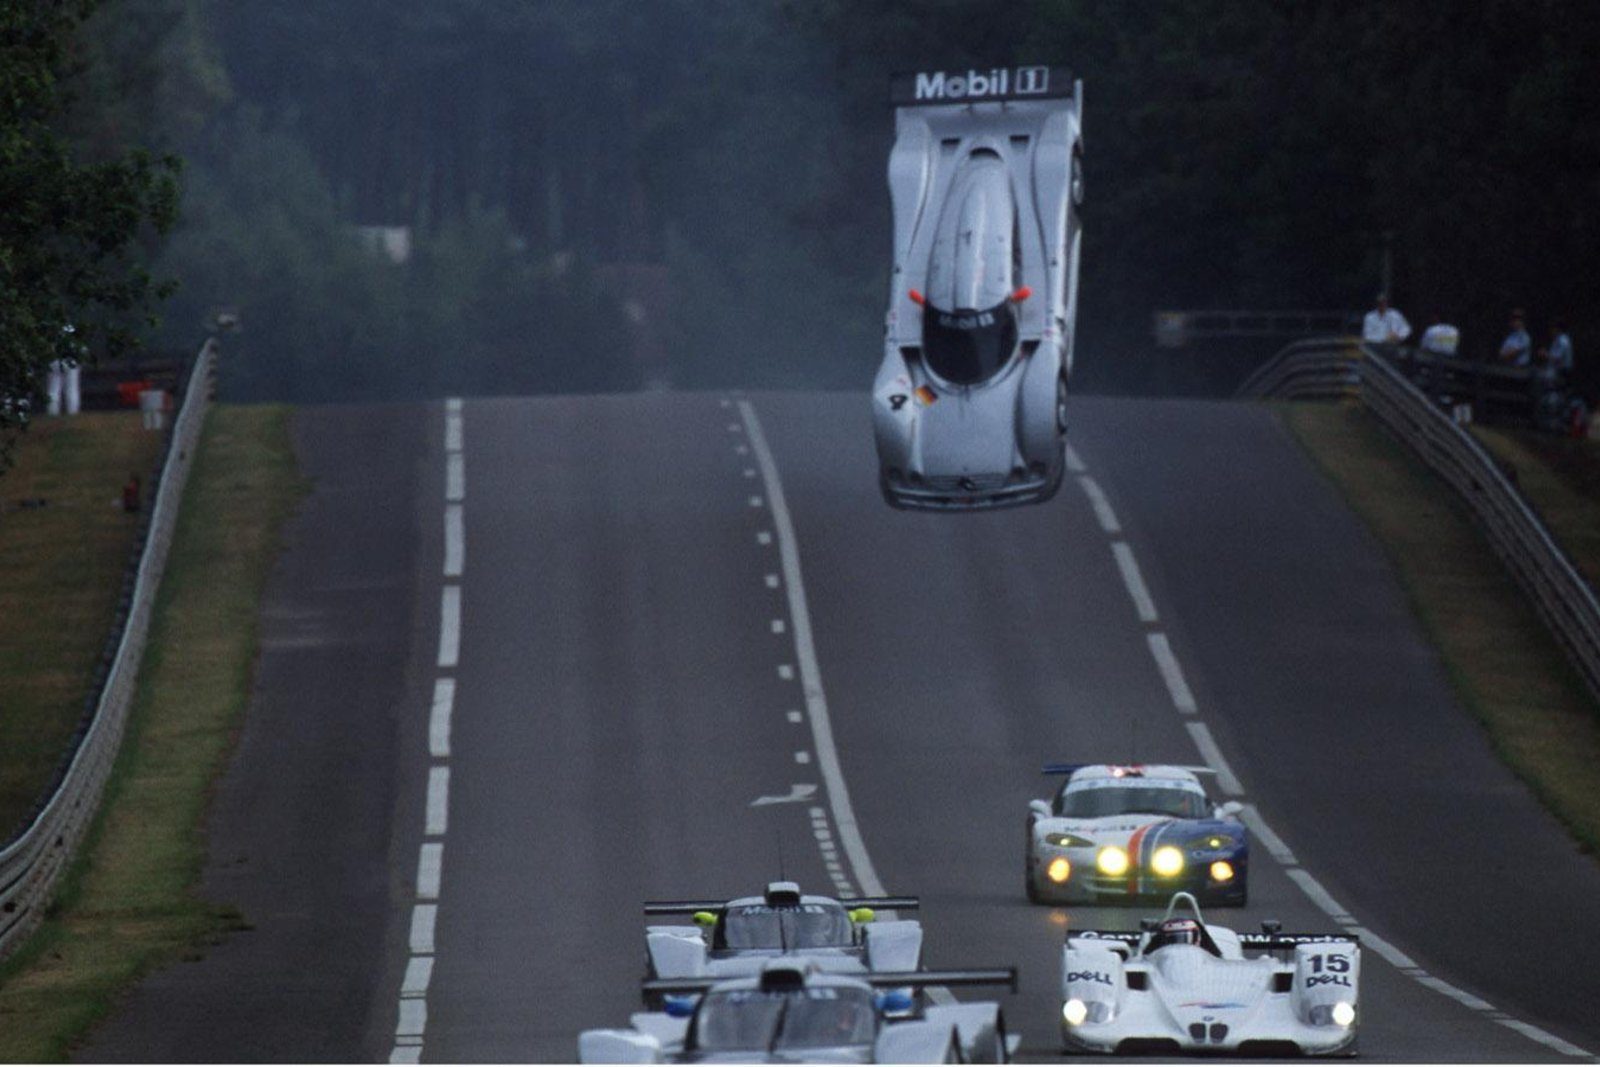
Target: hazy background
(604, 194)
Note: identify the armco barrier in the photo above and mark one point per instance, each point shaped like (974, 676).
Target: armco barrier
(1344, 366)
(31, 862)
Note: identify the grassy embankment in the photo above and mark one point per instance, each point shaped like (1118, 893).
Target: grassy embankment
(128, 903)
(1505, 666)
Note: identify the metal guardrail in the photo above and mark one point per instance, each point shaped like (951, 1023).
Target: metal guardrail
(32, 862)
(1345, 367)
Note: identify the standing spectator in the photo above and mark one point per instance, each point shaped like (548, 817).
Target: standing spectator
(1440, 339)
(1384, 325)
(1558, 355)
(1517, 348)
(62, 387)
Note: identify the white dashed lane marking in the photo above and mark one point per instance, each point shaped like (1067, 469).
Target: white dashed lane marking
(438, 806)
(430, 870)
(1213, 756)
(444, 701)
(455, 478)
(1102, 507)
(423, 917)
(1172, 674)
(449, 626)
(455, 541)
(1134, 580)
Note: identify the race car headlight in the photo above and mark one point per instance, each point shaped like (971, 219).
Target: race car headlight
(1166, 861)
(1059, 870)
(1222, 871)
(1112, 861)
(1076, 1012)
(1067, 841)
(1339, 1013)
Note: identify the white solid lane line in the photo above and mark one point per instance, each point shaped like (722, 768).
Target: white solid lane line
(1172, 674)
(449, 626)
(1213, 757)
(452, 432)
(455, 541)
(1134, 580)
(455, 478)
(1102, 507)
(452, 406)
(438, 807)
(430, 870)
(844, 818)
(444, 702)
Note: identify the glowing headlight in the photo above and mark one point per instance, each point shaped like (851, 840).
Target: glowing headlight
(1059, 870)
(1339, 1013)
(1067, 841)
(1074, 1011)
(1167, 861)
(1211, 842)
(1112, 860)
(1344, 1013)
(1222, 871)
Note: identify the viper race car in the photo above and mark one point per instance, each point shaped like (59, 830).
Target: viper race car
(1181, 985)
(969, 404)
(735, 938)
(791, 1012)
(1113, 832)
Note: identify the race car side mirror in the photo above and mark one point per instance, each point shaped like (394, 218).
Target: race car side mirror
(917, 297)
(862, 915)
(1232, 807)
(1021, 294)
(705, 918)
(1271, 926)
(1039, 808)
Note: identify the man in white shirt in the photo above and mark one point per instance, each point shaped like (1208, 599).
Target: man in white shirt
(1517, 348)
(1440, 340)
(1384, 325)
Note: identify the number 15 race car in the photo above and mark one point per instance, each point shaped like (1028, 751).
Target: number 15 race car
(1183, 986)
(1114, 832)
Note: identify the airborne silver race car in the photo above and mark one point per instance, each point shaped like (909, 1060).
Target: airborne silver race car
(737, 937)
(793, 1013)
(1181, 985)
(969, 405)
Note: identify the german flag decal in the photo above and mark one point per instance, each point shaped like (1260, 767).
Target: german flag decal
(926, 396)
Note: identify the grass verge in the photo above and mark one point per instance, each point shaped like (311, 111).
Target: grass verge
(128, 903)
(1560, 477)
(1504, 664)
(64, 541)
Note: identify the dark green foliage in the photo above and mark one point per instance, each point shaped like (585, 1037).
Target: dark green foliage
(70, 227)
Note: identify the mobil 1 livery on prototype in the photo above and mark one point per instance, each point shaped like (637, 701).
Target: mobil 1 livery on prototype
(969, 406)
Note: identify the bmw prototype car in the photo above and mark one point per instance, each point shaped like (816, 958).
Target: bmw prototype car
(790, 1012)
(969, 405)
(1114, 832)
(737, 937)
(1182, 985)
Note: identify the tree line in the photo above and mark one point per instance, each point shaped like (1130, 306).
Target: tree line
(603, 194)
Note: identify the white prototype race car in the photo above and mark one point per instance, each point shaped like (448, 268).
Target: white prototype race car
(790, 1012)
(735, 938)
(1181, 985)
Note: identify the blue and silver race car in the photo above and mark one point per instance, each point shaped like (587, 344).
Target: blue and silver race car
(1115, 832)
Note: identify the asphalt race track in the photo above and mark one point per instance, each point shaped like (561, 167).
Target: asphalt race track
(639, 700)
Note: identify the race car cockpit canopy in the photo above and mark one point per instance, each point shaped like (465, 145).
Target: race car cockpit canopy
(771, 1020)
(785, 927)
(965, 347)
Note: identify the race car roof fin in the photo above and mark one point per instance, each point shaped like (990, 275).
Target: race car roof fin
(881, 903)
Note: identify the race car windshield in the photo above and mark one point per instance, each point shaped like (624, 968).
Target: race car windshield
(966, 346)
(803, 926)
(1122, 800)
(747, 1020)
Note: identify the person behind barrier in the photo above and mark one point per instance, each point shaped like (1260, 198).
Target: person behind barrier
(1384, 325)
(1440, 339)
(1517, 349)
(1557, 355)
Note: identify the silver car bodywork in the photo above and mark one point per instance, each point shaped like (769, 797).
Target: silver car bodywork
(1296, 994)
(790, 1012)
(969, 405)
(738, 937)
